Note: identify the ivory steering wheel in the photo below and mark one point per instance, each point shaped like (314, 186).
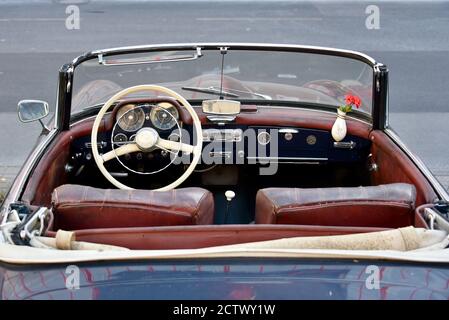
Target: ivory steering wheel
(147, 138)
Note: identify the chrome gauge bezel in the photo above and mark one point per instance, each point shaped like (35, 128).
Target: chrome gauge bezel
(119, 143)
(167, 108)
(137, 112)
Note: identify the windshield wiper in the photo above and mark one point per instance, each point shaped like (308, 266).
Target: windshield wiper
(210, 90)
(264, 96)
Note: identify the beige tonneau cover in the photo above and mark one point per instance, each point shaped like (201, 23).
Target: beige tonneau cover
(404, 244)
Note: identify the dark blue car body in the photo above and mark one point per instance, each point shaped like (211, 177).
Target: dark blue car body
(240, 279)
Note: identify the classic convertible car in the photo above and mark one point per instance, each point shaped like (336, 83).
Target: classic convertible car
(213, 171)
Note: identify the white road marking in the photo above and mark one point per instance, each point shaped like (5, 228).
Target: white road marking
(259, 19)
(31, 19)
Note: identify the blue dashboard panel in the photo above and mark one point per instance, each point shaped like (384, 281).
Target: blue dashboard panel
(293, 144)
(288, 144)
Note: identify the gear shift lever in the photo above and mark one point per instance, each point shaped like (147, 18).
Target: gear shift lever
(229, 196)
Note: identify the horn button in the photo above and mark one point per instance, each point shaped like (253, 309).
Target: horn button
(146, 138)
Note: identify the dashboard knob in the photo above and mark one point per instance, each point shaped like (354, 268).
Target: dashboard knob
(311, 140)
(229, 195)
(68, 168)
(264, 138)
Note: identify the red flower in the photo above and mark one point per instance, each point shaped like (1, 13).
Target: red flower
(353, 100)
(348, 99)
(357, 101)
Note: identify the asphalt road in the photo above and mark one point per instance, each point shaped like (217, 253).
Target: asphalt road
(413, 40)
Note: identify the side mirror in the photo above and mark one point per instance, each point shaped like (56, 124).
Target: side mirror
(32, 110)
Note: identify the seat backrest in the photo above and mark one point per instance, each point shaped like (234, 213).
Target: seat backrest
(78, 207)
(387, 206)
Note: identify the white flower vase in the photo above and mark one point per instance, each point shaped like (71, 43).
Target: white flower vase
(339, 128)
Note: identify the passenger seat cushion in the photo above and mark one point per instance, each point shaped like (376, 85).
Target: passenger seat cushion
(387, 206)
(78, 207)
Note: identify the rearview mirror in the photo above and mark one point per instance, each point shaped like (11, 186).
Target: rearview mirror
(221, 107)
(32, 110)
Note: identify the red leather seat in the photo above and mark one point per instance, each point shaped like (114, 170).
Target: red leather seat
(387, 206)
(81, 207)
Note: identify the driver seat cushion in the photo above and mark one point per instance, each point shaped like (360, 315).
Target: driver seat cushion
(386, 206)
(78, 207)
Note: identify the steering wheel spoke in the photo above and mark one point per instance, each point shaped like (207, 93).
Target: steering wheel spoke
(174, 146)
(125, 149)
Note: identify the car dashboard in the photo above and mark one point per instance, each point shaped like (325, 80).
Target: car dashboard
(235, 142)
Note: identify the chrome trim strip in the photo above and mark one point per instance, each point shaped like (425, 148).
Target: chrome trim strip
(297, 162)
(221, 120)
(220, 154)
(345, 145)
(440, 190)
(288, 158)
(288, 130)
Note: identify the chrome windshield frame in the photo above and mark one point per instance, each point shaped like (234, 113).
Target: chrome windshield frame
(67, 71)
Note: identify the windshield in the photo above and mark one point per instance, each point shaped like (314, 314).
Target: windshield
(247, 75)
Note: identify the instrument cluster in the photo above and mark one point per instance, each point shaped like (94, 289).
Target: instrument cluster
(130, 118)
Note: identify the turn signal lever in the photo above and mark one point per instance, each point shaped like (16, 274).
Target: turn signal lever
(229, 196)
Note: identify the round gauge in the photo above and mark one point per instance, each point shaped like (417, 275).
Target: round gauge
(164, 116)
(130, 117)
(120, 138)
(132, 138)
